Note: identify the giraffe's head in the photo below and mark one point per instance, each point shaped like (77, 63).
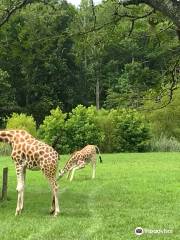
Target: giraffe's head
(61, 173)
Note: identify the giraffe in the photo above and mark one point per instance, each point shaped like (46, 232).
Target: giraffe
(29, 153)
(79, 159)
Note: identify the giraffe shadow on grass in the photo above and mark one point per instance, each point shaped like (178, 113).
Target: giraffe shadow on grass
(74, 204)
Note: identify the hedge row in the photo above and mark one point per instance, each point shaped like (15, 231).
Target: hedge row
(113, 131)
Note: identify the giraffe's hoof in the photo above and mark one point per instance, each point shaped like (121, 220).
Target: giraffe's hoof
(56, 214)
(52, 211)
(18, 212)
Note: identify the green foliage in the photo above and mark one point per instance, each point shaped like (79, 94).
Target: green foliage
(52, 130)
(50, 56)
(45, 57)
(112, 131)
(22, 121)
(5, 149)
(129, 88)
(131, 133)
(105, 123)
(124, 130)
(164, 144)
(165, 120)
(82, 128)
(41, 65)
(6, 95)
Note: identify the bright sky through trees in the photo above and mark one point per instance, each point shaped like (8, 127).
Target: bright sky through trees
(77, 2)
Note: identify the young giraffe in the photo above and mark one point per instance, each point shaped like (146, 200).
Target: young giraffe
(79, 159)
(29, 153)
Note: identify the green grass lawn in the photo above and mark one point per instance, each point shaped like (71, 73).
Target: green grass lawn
(130, 190)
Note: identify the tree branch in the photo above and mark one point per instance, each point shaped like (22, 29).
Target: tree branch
(174, 73)
(168, 8)
(93, 12)
(8, 12)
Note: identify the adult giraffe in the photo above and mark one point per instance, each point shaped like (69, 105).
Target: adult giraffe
(29, 153)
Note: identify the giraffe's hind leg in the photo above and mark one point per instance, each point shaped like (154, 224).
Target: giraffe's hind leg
(51, 176)
(93, 171)
(52, 209)
(54, 204)
(74, 169)
(55, 196)
(93, 163)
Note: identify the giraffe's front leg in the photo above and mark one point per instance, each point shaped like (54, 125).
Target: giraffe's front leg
(20, 189)
(69, 174)
(74, 169)
(22, 193)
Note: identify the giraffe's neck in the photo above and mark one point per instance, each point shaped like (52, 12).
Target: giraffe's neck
(67, 167)
(6, 136)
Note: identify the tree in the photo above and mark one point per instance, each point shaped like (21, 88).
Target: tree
(81, 127)
(8, 8)
(52, 130)
(36, 52)
(169, 8)
(164, 121)
(22, 121)
(131, 86)
(89, 53)
(7, 103)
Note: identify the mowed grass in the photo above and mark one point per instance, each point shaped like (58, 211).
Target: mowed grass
(130, 190)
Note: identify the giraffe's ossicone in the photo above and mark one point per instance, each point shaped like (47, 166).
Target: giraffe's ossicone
(30, 153)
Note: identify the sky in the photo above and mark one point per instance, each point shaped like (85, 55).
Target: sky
(77, 2)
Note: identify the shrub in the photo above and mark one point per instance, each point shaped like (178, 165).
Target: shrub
(165, 120)
(112, 131)
(105, 123)
(131, 133)
(52, 130)
(82, 128)
(164, 144)
(5, 149)
(22, 121)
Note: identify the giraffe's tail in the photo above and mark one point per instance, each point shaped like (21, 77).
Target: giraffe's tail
(100, 158)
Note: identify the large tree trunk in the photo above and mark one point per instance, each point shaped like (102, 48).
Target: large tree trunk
(97, 95)
(169, 8)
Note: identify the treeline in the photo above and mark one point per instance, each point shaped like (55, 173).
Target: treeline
(120, 130)
(48, 59)
(52, 54)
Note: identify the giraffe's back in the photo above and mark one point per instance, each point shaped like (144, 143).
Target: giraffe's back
(84, 155)
(34, 153)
